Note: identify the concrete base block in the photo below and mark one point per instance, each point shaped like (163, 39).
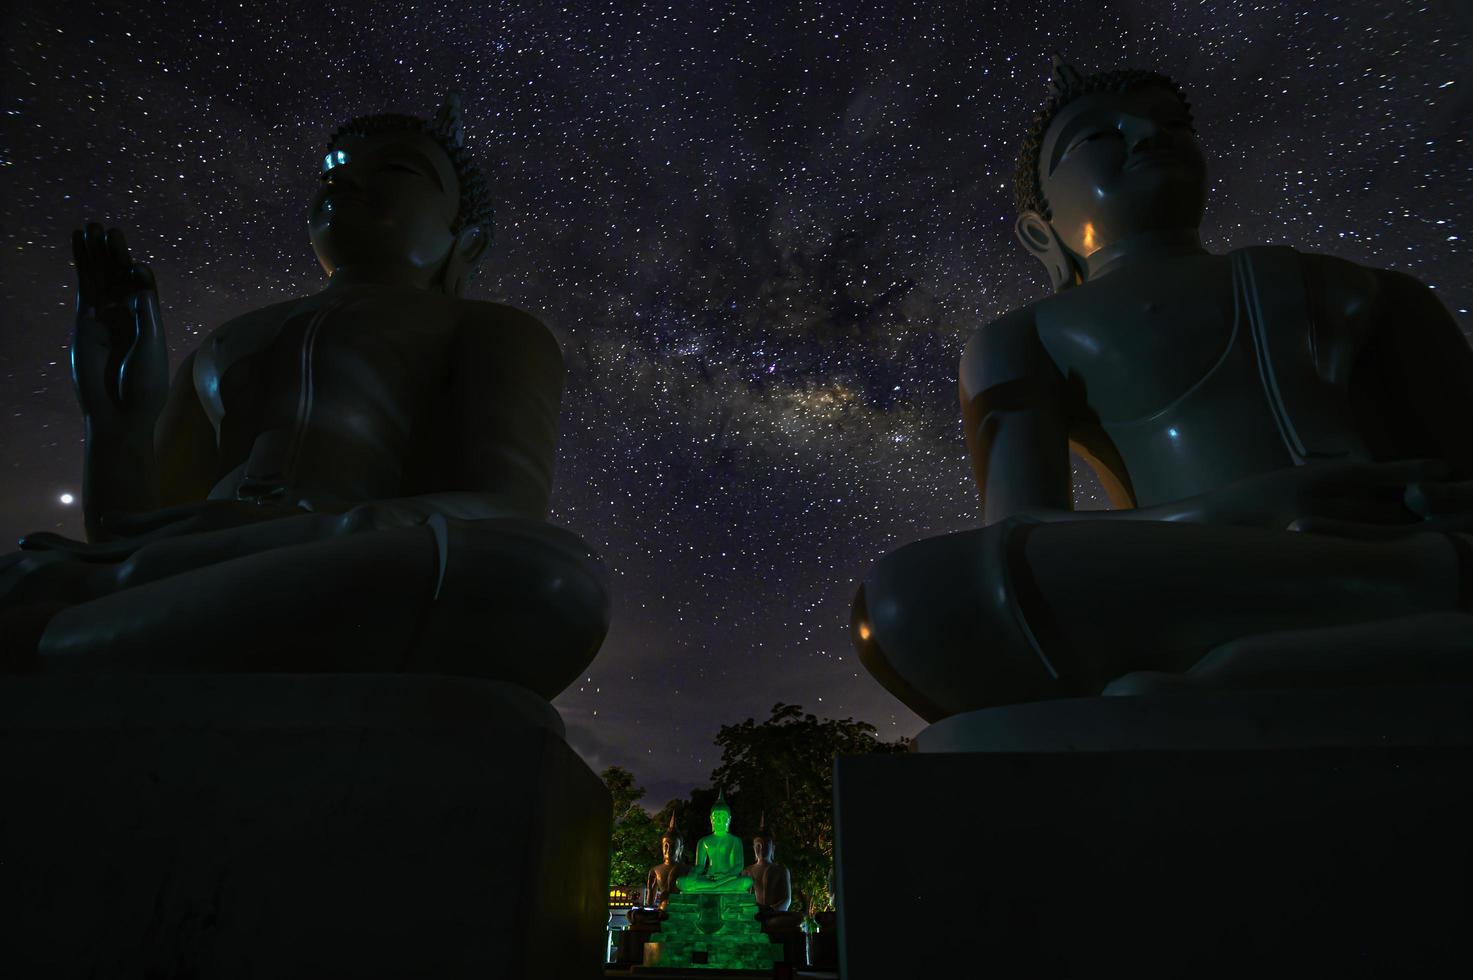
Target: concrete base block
(1263, 849)
(283, 826)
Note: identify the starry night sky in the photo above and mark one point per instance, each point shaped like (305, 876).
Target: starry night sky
(763, 235)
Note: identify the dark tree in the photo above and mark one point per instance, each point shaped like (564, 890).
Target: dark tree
(635, 846)
(784, 767)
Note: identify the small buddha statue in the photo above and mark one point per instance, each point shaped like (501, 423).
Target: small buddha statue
(660, 881)
(351, 481)
(1283, 437)
(772, 883)
(718, 864)
(662, 877)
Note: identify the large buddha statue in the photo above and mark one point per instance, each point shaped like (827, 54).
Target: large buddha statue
(355, 480)
(718, 864)
(1284, 436)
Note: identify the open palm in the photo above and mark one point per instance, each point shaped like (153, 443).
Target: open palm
(119, 358)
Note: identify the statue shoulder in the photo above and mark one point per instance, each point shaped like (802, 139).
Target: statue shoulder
(262, 319)
(1349, 305)
(237, 337)
(1343, 290)
(480, 318)
(1007, 349)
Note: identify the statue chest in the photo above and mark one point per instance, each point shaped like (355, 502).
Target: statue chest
(665, 875)
(723, 853)
(322, 397)
(769, 883)
(1132, 346)
(1205, 371)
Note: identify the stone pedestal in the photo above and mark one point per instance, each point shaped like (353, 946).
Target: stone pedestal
(792, 943)
(284, 826)
(632, 940)
(1323, 833)
(720, 932)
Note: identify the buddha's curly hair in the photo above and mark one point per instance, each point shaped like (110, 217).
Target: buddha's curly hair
(1027, 188)
(475, 192)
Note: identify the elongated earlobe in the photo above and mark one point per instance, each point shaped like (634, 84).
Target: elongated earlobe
(1038, 237)
(463, 258)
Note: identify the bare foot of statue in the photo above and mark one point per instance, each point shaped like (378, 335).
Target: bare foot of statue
(1283, 437)
(355, 480)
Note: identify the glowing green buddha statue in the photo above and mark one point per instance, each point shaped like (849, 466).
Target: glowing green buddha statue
(718, 867)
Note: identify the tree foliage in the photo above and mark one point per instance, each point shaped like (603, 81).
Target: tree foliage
(635, 847)
(784, 768)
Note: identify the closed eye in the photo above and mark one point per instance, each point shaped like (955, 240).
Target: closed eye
(401, 168)
(1088, 138)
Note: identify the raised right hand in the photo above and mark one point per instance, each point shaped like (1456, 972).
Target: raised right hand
(120, 362)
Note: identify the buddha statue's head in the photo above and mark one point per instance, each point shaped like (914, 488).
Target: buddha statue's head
(671, 846)
(1112, 155)
(720, 814)
(764, 842)
(402, 201)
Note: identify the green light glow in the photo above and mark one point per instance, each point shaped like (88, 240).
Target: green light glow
(718, 867)
(712, 931)
(712, 920)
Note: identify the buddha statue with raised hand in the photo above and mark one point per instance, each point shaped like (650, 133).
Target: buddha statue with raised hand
(355, 480)
(1284, 437)
(718, 864)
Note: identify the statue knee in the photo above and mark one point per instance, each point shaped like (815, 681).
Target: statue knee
(515, 600)
(45, 577)
(939, 623)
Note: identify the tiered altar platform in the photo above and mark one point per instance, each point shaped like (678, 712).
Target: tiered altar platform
(716, 931)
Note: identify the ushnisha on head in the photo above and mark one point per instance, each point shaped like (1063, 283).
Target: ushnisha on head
(402, 202)
(1111, 157)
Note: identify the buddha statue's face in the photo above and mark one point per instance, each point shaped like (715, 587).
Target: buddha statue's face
(761, 849)
(387, 201)
(667, 849)
(720, 820)
(1115, 164)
